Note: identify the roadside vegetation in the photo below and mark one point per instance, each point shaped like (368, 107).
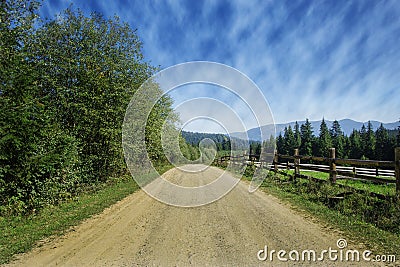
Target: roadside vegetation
(367, 220)
(65, 87)
(66, 84)
(19, 234)
(388, 189)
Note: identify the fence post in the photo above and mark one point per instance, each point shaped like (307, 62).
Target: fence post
(397, 168)
(332, 167)
(296, 163)
(276, 161)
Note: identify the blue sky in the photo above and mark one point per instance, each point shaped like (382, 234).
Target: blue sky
(311, 59)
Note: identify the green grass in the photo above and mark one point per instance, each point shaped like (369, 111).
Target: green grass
(383, 189)
(319, 175)
(363, 219)
(19, 234)
(360, 232)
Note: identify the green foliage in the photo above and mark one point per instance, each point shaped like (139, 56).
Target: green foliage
(324, 140)
(369, 142)
(306, 140)
(161, 112)
(338, 139)
(355, 143)
(362, 144)
(297, 135)
(37, 158)
(382, 213)
(382, 144)
(280, 144)
(378, 240)
(190, 152)
(255, 148)
(90, 67)
(65, 87)
(269, 146)
(222, 141)
(290, 142)
(398, 136)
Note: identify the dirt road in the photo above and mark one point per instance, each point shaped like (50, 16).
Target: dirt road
(141, 231)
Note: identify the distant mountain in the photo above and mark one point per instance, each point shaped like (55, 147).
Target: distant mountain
(347, 126)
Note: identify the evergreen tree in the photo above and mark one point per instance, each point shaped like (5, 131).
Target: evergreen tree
(306, 133)
(346, 146)
(355, 144)
(290, 141)
(297, 135)
(369, 142)
(337, 139)
(324, 140)
(398, 137)
(383, 145)
(269, 145)
(280, 143)
(255, 148)
(363, 139)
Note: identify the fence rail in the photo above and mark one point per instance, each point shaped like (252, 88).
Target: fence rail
(372, 170)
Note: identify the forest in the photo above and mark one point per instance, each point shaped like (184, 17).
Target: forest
(365, 143)
(222, 142)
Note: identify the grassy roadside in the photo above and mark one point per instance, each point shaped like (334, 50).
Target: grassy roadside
(308, 198)
(383, 189)
(19, 234)
(360, 232)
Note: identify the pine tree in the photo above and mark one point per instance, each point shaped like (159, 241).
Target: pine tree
(280, 143)
(290, 141)
(346, 146)
(255, 148)
(324, 140)
(383, 145)
(363, 140)
(355, 144)
(369, 142)
(337, 139)
(306, 133)
(398, 137)
(269, 145)
(297, 135)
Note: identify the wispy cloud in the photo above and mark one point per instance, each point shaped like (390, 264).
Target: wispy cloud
(311, 59)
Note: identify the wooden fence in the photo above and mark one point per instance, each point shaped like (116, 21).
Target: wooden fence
(371, 170)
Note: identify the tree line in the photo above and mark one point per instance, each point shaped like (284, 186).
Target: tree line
(65, 84)
(222, 142)
(365, 143)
